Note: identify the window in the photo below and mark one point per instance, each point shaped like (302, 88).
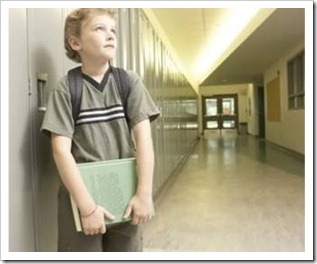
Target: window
(296, 82)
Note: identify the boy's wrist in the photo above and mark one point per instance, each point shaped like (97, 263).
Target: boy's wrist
(90, 213)
(144, 192)
(88, 210)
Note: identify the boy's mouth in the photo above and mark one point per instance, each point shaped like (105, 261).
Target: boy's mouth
(109, 46)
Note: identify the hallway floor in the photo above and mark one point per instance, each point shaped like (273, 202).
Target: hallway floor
(234, 194)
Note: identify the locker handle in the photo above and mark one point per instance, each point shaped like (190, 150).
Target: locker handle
(41, 84)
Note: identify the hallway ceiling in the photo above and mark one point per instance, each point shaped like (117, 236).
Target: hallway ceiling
(188, 29)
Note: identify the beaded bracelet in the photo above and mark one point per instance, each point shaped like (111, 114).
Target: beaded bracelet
(91, 213)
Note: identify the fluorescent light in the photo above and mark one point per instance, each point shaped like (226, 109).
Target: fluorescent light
(220, 43)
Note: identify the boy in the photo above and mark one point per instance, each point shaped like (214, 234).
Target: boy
(90, 38)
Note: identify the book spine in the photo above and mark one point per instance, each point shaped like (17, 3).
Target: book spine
(76, 215)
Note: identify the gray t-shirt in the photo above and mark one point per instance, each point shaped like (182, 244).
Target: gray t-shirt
(101, 131)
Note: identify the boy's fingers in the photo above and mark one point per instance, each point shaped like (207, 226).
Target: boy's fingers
(108, 215)
(128, 211)
(103, 229)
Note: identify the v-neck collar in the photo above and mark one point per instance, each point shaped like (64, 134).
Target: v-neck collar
(100, 86)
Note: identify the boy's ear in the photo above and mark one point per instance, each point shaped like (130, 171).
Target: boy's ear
(74, 43)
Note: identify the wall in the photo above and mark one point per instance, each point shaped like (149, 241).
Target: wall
(290, 132)
(240, 89)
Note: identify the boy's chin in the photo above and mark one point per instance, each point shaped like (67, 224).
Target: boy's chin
(109, 57)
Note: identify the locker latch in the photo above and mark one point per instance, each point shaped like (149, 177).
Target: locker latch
(41, 84)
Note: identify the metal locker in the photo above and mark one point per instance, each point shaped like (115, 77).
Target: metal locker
(134, 40)
(123, 38)
(21, 188)
(46, 53)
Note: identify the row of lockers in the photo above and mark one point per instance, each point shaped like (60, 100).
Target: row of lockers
(141, 49)
(178, 126)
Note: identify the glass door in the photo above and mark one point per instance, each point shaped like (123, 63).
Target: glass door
(229, 116)
(220, 112)
(211, 113)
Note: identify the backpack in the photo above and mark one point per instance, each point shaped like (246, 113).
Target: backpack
(75, 81)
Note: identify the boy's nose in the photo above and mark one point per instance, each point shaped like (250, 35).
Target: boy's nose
(109, 36)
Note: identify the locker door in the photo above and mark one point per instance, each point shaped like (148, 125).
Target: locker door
(46, 56)
(21, 188)
(123, 37)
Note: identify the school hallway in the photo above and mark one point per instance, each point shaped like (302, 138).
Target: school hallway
(233, 88)
(235, 193)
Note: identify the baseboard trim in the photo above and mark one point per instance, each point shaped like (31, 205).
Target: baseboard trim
(282, 148)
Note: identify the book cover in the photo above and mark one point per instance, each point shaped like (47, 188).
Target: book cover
(111, 183)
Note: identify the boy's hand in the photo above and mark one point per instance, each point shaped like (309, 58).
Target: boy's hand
(141, 208)
(95, 223)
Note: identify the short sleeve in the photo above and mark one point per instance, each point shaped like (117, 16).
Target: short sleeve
(58, 117)
(140, 105)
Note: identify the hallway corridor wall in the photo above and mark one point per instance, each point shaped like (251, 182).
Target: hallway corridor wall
(291, 120)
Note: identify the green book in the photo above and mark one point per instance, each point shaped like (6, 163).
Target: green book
(111, 183)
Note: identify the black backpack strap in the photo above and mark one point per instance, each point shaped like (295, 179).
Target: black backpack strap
(75, 82)
(122, 81)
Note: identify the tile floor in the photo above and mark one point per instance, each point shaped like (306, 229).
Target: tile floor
(234, 194)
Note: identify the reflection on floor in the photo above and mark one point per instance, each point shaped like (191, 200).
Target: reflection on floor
(234, 194)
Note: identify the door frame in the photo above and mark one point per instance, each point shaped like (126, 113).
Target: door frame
(220, 117)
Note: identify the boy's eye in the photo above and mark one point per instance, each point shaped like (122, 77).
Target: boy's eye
(104, 29)
(100, 28)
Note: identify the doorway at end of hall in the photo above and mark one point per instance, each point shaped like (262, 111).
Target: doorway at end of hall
(220, 112)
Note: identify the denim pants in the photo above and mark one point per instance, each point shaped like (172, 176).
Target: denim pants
(123, 237)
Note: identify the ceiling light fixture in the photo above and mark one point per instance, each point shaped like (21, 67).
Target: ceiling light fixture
(228, 36)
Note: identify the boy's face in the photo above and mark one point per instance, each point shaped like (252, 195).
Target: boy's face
(98, 40)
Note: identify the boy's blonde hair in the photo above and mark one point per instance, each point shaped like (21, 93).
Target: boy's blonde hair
(73, 25)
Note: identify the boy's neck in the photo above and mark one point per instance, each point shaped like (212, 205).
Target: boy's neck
(95, 71)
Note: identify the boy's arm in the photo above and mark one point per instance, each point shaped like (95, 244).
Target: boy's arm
(141, 205)
(72, 180)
